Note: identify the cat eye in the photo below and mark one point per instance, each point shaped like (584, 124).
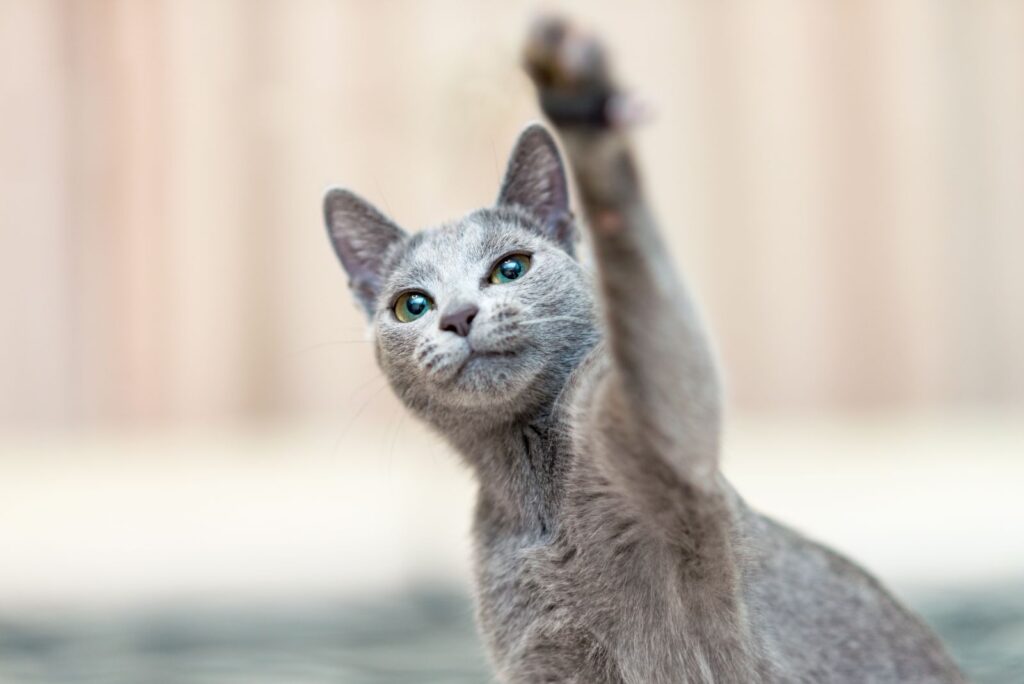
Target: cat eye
(510, 268)
(412, 305)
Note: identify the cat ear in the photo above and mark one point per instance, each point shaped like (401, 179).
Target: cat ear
(535, 181)
(362, 238)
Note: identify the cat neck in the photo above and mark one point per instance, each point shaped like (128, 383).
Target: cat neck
(519, 467)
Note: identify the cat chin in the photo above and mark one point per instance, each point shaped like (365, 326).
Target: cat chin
(493, 378)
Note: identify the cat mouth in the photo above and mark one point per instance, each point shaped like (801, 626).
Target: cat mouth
(479, 356)
(489, 354)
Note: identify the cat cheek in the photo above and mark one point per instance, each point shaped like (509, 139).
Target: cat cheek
(425, 351)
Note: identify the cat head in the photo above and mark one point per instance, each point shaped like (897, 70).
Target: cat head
(485, 315)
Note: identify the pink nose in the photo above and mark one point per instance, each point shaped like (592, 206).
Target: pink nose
(459, 320)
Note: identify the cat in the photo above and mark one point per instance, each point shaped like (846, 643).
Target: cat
(608, 547)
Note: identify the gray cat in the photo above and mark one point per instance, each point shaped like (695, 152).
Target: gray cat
(608, 546)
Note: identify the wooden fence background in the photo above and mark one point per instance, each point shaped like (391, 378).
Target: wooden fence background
(842, 181)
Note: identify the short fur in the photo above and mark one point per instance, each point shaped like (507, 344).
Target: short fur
(608, 546)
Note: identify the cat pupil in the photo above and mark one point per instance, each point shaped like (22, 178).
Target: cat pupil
(511, 269)
(416, 305)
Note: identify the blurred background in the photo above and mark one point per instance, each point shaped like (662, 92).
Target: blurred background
(203, 477)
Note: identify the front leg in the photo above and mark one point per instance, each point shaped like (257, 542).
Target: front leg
(652, 422)
(663, 384)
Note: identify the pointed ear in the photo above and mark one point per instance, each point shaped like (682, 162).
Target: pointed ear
(362, 238)
(535, 181)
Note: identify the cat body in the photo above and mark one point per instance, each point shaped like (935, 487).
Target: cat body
(608, 547)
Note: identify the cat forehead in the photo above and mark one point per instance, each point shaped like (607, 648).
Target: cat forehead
(452, 248)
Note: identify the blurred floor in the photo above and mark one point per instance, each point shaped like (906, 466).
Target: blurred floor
(417, 637)
(178, 558)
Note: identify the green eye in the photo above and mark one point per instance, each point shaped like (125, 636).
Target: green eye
(510, 268)
(411, 306)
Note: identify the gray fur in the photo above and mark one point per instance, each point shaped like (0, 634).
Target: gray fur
(608, 547)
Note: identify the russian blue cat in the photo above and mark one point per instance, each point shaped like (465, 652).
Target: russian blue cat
(608, 546)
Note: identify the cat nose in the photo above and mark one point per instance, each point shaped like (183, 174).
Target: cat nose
(459, 320)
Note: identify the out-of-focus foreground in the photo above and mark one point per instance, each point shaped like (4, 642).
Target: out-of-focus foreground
(189, 408)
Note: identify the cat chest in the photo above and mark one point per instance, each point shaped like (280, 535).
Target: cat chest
(561, 598)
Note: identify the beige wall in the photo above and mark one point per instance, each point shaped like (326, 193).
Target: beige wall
(843, 182)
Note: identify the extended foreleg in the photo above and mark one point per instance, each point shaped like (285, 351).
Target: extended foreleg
(662, 365)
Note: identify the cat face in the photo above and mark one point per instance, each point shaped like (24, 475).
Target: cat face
(488, 313)
(474, 314)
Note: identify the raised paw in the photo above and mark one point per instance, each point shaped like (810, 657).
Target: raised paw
(578, 94)
(571, 73)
